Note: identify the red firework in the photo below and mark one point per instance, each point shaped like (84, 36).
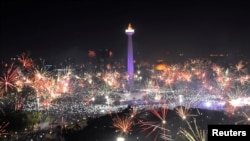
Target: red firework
(7, 81)
(92, 54)
(158, 126)
(3, 128)
(25, 60)
(123, 123)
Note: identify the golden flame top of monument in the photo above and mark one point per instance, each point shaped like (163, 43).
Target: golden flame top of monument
(129, 29)
(130, 26)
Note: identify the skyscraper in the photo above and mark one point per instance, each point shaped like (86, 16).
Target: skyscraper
(130, 60)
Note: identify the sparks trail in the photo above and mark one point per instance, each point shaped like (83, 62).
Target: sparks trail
(157, 127)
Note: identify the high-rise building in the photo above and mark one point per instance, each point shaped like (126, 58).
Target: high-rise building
(130, 59)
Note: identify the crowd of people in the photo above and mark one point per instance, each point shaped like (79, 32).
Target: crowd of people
(69, 111)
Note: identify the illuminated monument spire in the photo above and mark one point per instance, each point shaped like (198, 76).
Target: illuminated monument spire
(130, 62)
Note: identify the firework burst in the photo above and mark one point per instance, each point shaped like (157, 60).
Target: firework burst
(183, 112)
(245, 120)
(8, 80)
(3, 128)
(123, 123)
(194, 133)
(25, 60)
(158, 126)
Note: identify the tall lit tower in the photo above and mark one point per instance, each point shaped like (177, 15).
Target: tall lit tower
(130, 62)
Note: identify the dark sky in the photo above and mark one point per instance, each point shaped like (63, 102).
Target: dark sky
(54, 28)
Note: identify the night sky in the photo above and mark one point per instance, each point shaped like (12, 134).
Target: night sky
(60, 28)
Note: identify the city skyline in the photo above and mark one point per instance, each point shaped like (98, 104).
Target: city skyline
(72, 28)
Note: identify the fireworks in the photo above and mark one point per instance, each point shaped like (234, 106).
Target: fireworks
(92, 54)
(196, 76)
(194, 133)
(123, 123)
(183, 112)
(159, 126)
(8, 80)
(25, 60)
(3, 128)
(197, 83)
(245, 120)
